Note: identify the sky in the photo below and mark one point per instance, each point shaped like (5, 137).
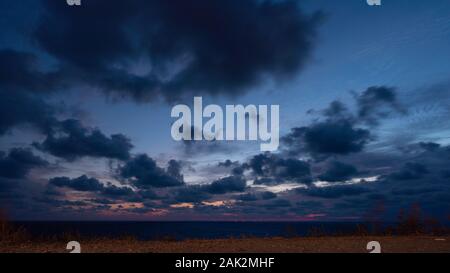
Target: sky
(87, 94)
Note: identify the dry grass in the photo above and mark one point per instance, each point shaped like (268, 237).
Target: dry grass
(9, 234)
(390, 244)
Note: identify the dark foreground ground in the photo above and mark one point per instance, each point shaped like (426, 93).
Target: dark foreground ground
(352, 244)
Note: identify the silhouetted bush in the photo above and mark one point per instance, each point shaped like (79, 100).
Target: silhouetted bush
(290, 231)
(317, 231)
(9, 233)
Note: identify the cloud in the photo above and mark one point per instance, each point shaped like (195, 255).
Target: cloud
(142, 171)
(334, 191)
(309, 205)
(414, 191)
(207, 45)
(199, 193)
(19, 71)
(174, 169)
(328, 138)
(114, 191)
(235, 166)
(270, 168)
(429, 146)
(148, 194)
(227, 184)
(6, 185)
(82, 183)
(278, 203)
(377, 102)
(338, 172)
(248, 197)
(93, 185)
(410, 171)
(228, 164)
(191, 194)
(20, 108)
(339, 131)
(61, 204)
(430, 190)
(73, 141)
(68, 139)
(18, 163)
(206, 147)
(267, 195)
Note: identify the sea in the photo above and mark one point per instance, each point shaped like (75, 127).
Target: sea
(186, 230)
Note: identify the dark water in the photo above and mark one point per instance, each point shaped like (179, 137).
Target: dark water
(185, 230)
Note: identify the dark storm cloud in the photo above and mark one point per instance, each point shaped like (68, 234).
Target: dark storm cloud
(174, 169)
(410, 171)
(419, 181)
(227, 184)
(337, 135)
(198, 193)
(143, 172)
(205, 147)
(228, 164)
(102, 201)
(270, 168)
(6, 185)
(74, 141)
(52, 191)
(19, 71)
(338, 171)
(68, 139)
(148, 194)
(334, 191)
(19, 108)
(398, 186)
(335, 138)
(235, 166)
(337, 111)
(267, 195)
(341, 132)
(342, 200)
(18, 162)
(87, 184)
(114, 191)
(82, 183)
(414, 191)
(223, 186)
(57, 203)
(309, 205)
(214, 46)
(377, 102)
(278, 203)
(191, 194)
(429, 146)
(248, 197)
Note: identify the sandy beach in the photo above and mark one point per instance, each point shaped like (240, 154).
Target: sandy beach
(353, 244)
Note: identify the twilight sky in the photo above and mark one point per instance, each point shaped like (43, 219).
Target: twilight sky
(86, 95)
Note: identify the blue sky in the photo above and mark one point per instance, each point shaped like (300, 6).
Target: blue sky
(401, 48)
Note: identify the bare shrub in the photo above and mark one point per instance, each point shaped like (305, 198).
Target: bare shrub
(9, 233)
(410, 223)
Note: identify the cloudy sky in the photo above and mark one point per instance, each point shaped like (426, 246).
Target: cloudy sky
(87, 92)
